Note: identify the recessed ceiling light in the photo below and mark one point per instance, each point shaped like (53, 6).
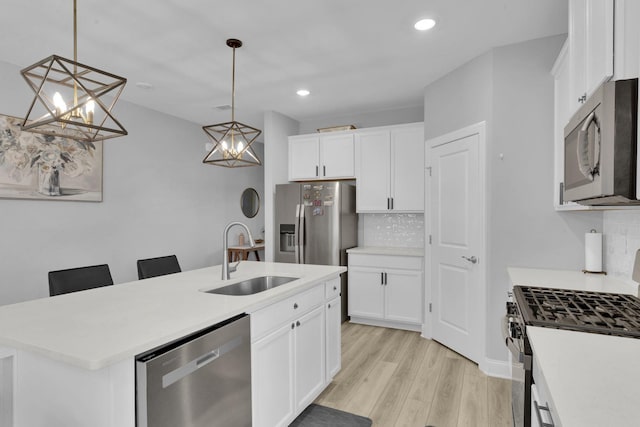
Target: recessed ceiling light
(425, 24)
(303, 92)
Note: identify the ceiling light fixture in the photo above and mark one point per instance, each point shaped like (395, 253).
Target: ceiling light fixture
(92, 93)
(425, 24)
(232, 139)
(303, 92)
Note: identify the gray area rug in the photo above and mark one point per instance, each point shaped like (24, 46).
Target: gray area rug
(321, 416)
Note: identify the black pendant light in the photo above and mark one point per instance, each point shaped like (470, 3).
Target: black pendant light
(232, 140)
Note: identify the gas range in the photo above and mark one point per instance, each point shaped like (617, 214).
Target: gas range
(583, 311)
(575, 310)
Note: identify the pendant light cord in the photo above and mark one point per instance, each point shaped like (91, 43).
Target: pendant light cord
(75, 53)
(233, 87)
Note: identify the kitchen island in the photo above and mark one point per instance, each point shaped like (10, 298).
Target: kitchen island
(585, 379)
(69, 360)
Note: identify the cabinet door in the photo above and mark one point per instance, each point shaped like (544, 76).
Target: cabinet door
(366, 292)
(590, 46)
(334, 338)
(304, 158)
(407, 169)
(337, 156)
(373, 171)
(403, 296)
(577, 50)
(272, 378)
(309, 357)
(599, 57)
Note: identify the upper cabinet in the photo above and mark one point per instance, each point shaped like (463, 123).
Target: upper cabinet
(591, 33)
(321, 156)
(390, 169)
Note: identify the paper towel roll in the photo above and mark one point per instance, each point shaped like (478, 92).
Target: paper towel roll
(593, 252)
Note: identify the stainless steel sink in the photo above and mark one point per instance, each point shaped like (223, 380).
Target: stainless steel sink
(253, 286)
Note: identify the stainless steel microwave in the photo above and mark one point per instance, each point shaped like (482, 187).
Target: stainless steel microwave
(600, 147)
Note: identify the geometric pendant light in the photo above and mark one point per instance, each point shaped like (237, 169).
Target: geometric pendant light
(72, 100)
(232, 140)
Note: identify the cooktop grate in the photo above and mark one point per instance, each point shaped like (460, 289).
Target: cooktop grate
(584, 311)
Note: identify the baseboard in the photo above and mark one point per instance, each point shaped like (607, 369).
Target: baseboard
(496, 368)
(386, 324)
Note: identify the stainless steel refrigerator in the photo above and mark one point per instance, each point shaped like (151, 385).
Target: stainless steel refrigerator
(316, 223)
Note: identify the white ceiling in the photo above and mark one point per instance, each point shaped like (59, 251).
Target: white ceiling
(355, 56)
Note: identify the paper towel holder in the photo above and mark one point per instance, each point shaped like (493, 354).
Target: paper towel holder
(594, 272)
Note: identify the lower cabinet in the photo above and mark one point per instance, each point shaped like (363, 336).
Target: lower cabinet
(309, 360)
(272, 358)
(295, 343)
(334, 337)
(386, 290)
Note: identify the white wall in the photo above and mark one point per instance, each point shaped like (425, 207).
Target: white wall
(512, 89)
(277, 129)
(159, 198)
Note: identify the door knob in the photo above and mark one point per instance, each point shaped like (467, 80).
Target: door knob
(472, 260)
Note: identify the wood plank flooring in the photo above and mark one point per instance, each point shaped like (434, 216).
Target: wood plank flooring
(399, 379)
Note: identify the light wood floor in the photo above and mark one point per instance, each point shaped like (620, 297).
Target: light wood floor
(399, 379)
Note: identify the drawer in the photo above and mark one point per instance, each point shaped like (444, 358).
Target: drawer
(271, 317)
(386, 261)
(332, 288)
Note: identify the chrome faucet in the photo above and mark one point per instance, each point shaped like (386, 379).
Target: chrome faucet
(226, 268)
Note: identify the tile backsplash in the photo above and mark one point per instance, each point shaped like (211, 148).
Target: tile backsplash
(621, 240)
(395, 230)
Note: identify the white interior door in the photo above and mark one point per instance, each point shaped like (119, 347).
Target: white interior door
(457, 232)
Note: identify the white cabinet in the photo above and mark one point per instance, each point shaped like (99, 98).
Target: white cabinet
(333, 320)
(272, 378)
(314, 157)
(591, 34)
(390, 169)
(386, 290)
(295, 342)
(309, 360)
(626, 61)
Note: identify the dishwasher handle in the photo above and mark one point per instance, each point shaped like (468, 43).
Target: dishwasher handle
(201, 361)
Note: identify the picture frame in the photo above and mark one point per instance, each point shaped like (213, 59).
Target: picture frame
(44, 167)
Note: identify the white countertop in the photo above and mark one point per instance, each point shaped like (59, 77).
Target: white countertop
(385, 250)
(594, 379)
(96, 328)
(568, 279)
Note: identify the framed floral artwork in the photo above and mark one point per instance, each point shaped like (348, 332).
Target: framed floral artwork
(34, 166)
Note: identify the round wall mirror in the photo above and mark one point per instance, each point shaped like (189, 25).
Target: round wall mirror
(250, 202)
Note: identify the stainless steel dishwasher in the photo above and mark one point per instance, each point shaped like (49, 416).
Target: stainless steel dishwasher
(201, 380)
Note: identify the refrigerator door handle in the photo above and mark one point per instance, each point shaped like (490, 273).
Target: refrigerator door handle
(296, 231)
(301, 236)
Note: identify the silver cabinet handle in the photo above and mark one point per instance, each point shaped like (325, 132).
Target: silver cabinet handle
(316, 170)
(324, 171)
(293, 325)
(382, 278)
(298, 323)
(295, 305)
(472, 260)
